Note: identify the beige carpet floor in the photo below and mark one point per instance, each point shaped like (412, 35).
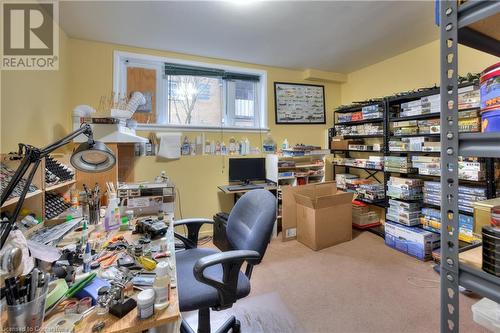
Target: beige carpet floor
(355, 287)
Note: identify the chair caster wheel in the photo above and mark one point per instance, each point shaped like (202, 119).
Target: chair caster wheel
(237, 327)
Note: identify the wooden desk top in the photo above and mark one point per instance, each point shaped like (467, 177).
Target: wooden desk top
(130, 323)
(225, 188)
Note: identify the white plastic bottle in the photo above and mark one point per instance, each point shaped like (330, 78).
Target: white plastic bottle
(112, 218)
(161, 286)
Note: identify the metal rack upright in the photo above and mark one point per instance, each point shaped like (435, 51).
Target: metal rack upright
(457, 25)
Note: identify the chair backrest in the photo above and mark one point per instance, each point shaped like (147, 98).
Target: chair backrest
(251, 222)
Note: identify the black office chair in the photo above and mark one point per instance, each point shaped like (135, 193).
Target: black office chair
(207, 278)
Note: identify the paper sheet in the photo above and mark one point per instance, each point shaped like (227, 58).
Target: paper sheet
(170, 145)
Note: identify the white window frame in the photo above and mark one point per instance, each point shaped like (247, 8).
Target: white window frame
(123, 59)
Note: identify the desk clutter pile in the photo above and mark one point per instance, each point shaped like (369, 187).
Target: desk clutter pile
(119, 267)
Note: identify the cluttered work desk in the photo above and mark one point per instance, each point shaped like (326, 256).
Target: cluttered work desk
(65, 318)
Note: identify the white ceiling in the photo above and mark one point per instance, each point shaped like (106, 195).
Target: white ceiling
(326, 35)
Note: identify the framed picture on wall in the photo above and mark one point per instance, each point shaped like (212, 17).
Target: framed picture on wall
(299, 103)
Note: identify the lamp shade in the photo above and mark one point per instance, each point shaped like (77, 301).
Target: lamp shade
(93, 157)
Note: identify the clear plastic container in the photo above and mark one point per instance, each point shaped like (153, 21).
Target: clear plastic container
(487, 314)
(27, 317)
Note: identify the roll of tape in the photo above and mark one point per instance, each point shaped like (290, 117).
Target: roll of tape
(57, 289)
(63, 323)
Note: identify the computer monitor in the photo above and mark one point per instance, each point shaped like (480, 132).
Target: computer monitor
(247, 169)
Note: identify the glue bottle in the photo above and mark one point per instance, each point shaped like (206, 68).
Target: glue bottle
(112, 218)
(161, 285)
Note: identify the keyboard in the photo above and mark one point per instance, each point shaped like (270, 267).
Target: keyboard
(244, 187)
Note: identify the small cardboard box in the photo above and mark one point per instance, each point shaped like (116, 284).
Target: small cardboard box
(324, 216)
(289, 211)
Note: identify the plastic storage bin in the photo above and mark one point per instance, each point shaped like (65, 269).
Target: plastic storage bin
(487, 314)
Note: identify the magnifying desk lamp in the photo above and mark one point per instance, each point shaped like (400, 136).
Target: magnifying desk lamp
(90, 156)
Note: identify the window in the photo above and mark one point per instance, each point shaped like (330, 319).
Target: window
(194, 95)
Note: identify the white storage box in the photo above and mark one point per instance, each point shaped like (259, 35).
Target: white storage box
(487, 314)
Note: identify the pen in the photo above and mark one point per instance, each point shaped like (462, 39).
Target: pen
(34, 283)
(28, 287)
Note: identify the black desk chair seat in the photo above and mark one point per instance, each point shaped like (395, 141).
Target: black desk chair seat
(193, 294)
(208, 279)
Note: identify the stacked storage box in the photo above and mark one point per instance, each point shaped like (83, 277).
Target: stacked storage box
(467, 169)
(405, 127)
(398, 164)
(363, 129)
(431, 104)
(373, 162)
(365, 147)
(367, 112)
(429, 126)
(415, 144)
(407, 213)
(372, 111)
(363, 217)
(467, 195)
(404, 188)
(416, 242)
(427, 165)
(431, 220)
(371, 192)
(341, 179)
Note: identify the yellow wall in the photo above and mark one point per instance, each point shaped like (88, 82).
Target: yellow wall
(410, 70)
(34, 107)
(197, 177)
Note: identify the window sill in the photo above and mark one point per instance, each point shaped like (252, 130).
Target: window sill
(177, 128)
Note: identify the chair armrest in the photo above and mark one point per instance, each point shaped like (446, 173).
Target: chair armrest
(193, 227)
(231, 262)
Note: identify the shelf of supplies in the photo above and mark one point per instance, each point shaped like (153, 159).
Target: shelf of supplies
(439, 207)
(16, 199)
(63, 184)
(482, 283)
(379, 203)
(284, 178)
(366, 136)
(302, 166)
(414, 152)
(411, 173)
(359, 122)
(416, 117)
(356, 107)
(357, 167)
(355, 151)
(479, 144)
(412, 96)
(460, 180)
(427, 135)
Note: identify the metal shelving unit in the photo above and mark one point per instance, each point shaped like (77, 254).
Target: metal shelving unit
(457, 24)
(371, 172)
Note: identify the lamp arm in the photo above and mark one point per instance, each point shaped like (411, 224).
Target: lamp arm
(16, 178)
(32, 155)
(84, 129)
(5, 229)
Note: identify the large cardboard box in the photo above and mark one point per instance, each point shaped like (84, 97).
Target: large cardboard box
(289, 209)
(324, 216)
